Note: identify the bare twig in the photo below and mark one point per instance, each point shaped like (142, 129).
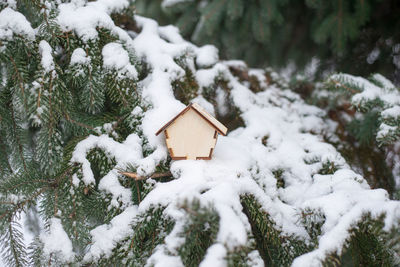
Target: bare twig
(138, 191)
(137, 177)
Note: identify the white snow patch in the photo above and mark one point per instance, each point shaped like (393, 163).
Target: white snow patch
(370, 91)
(106, 237)
(14, 23)
(384, 81)
(215, 256)
(57, 241)
(83, 19)
(9, 3)
(79, 57)
(374, 55)
(385, 130)
(171, 3)
(127, 152)
(160, 258)
(117, 58)
(393, 112)
(207, 56)
(47, 59)
(110, 6)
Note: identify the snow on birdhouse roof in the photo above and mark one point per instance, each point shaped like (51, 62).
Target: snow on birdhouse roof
(219, 127)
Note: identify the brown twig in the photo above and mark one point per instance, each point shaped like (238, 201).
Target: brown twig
(20, 205)
(137, 177)
(337, 83)
(68, 118)
(138, 191)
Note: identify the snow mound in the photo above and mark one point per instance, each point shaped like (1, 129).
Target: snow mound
(57, 241)
(14, 23)
(47, 59)
(280, 133)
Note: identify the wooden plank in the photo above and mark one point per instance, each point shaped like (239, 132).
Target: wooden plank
(171, 153)
(204, 114)
(209, 156)
(190, 136)
(173, 119)
(219, 126)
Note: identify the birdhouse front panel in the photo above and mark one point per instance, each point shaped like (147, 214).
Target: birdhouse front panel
(190, 136)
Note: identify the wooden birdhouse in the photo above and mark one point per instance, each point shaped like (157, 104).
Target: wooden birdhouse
(192, 134)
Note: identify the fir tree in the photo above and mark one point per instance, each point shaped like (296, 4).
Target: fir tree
(343, 34)
(84, 87)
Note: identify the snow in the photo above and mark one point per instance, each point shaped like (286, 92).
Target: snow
(156, 51)
(382, 80)
(56, 241)
(127, 152)
(393, 160)
(311, 68)
(385, 130)
(393, 112)
(373, 55)
(207, 56)
(206, 77)
(79, 57)
(170, 3)
(221, 97)
(384, 92)
(10, 3)
(83, 19)
(110, 6)
(280, 132)
(160, 259)
(241, 163)
(215, 256)
(371, 91)
(14, 23)
(255, 259)
(47, 59)
(333, 241)
(115, 57)
(106, 237)
(260, 76)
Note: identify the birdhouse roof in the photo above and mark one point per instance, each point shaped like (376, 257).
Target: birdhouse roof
(219, 127)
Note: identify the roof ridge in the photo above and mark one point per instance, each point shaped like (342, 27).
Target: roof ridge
(218, 126)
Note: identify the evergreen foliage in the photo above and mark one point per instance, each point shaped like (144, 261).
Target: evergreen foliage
(345, 34)
(79, 103)
(366, 111)
(378, 100)
(276, 249)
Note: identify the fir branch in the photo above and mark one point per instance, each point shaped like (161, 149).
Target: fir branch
(80, 124)
(20, 205)
(19, 144)
(339, 84)
(4, 153)
(12, 245)
(20, 80)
